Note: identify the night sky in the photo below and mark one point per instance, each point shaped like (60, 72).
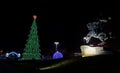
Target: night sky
(62, 22)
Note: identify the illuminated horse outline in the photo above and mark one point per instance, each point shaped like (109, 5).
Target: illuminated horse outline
(92, 33)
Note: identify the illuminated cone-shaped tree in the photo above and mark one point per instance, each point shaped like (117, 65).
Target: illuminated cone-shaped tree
(31, 50)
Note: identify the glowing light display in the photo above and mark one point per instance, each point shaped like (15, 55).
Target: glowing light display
(90, 50)
(32, 50)
(1, 51)
(93, 28)
(57, 55)
(13, 54)
(34, 16)
(56, 45)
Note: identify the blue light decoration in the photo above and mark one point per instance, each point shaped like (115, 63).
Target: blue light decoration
(13, 55)
(57, 55)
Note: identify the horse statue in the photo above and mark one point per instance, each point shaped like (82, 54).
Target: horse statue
(92, 27)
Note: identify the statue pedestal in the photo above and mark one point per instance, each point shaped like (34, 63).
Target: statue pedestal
(90, 50)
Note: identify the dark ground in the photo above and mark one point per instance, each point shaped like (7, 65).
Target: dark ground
(97, 64)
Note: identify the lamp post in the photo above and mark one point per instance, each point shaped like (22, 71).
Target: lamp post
(57, 54)
(56, 44)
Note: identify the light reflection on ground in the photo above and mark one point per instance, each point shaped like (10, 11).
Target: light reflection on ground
(63, 63)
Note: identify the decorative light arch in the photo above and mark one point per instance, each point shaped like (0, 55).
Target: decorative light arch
(15, 53)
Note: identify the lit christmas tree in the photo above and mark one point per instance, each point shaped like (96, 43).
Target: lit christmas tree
(31, 50)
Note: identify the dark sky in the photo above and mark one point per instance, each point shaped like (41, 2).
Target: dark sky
(62, 22)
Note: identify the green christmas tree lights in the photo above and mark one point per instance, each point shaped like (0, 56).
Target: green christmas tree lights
(31, 50)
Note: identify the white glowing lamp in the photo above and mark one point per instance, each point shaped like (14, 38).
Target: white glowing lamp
(6, 55)
(56, 43)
